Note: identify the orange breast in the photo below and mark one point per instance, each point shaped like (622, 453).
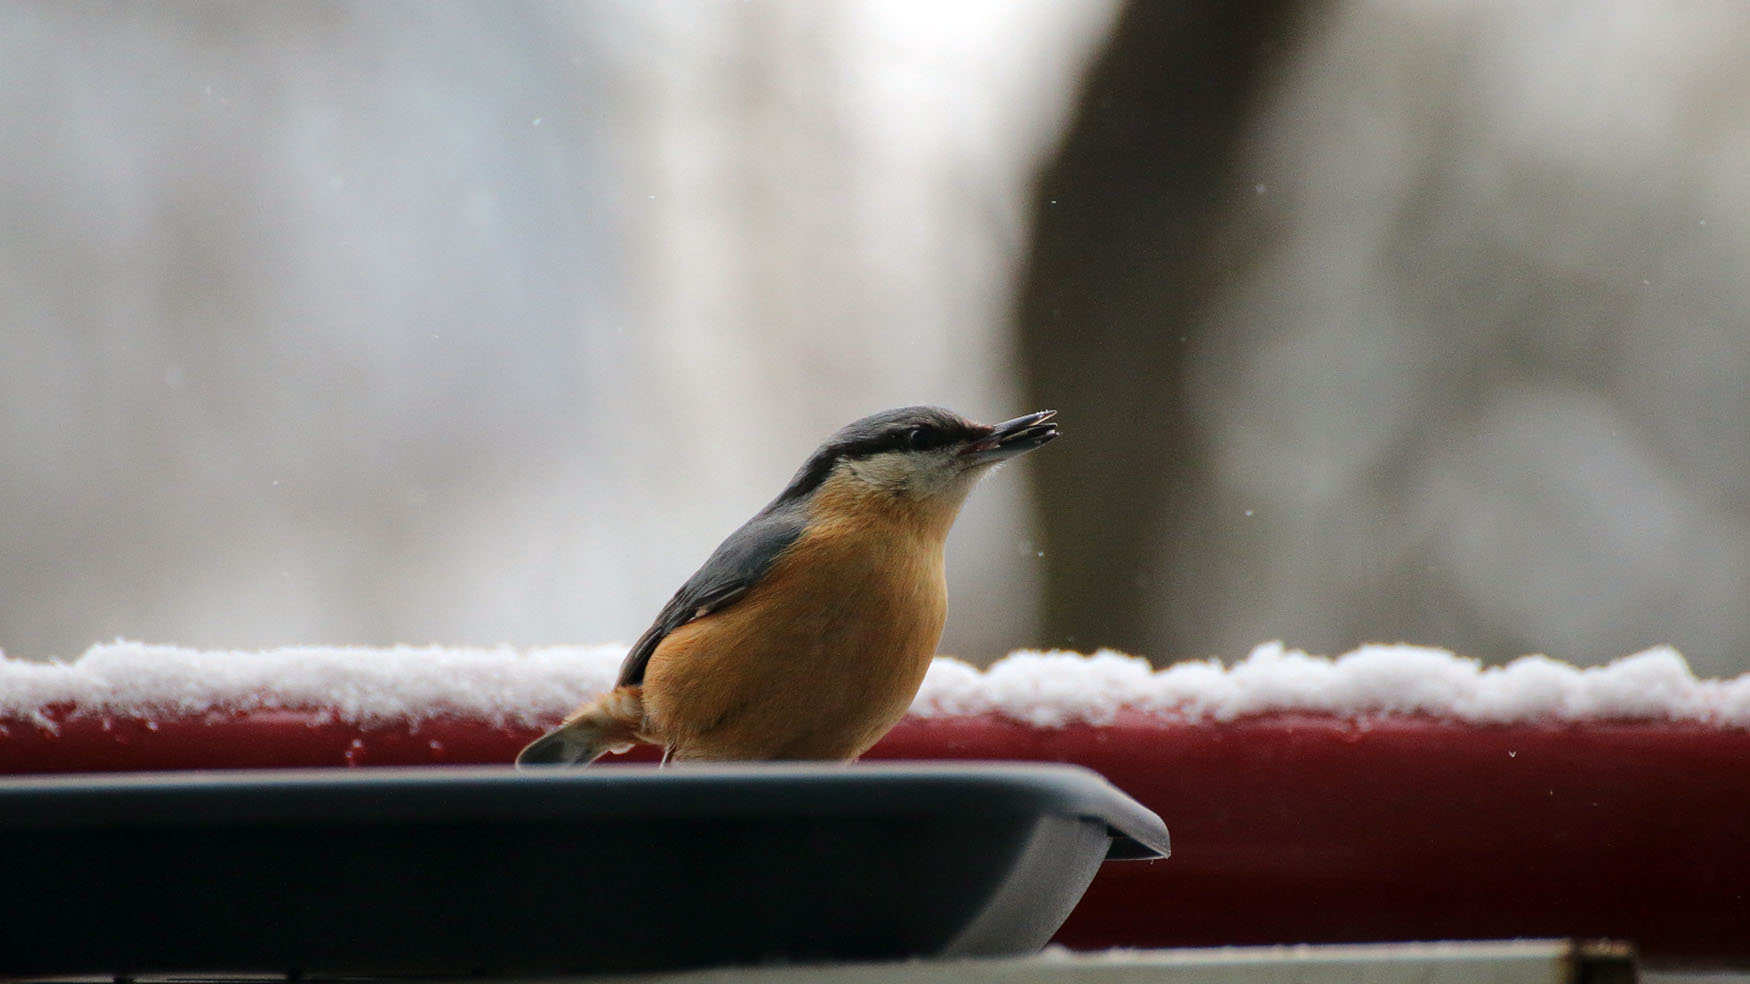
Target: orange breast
(820, 658)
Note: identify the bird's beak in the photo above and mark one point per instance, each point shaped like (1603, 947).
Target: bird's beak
(1011, 438)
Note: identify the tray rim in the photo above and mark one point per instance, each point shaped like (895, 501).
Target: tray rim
(430, 794)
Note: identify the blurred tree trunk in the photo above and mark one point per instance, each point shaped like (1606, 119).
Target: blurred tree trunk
(1116, 281)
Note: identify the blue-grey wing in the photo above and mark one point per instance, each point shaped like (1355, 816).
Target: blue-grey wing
(738, 563)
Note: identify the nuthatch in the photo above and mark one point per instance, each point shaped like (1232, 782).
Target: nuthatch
(808, 631)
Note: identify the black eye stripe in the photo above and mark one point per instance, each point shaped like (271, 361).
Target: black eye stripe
(922, 437)
(910, 437)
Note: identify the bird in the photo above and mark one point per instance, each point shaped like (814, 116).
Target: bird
(806, 634)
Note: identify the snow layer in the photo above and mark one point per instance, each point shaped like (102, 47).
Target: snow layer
(1045, 689)
(353, 684)
(1050, 689)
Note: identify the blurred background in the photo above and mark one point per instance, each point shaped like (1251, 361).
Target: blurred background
(479, 323)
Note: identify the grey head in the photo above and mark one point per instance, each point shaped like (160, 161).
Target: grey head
(917, 451)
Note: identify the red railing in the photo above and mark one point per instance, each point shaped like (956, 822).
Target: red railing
(1287, 827)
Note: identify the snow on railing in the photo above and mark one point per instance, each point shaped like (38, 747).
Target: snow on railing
(505, 686)
(1050, 689)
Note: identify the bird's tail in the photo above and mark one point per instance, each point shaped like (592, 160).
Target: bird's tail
(607, 724)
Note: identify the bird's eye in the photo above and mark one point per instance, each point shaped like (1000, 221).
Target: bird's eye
(922, 438)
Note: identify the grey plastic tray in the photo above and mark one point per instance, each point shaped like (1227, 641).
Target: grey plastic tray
(485, 870)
